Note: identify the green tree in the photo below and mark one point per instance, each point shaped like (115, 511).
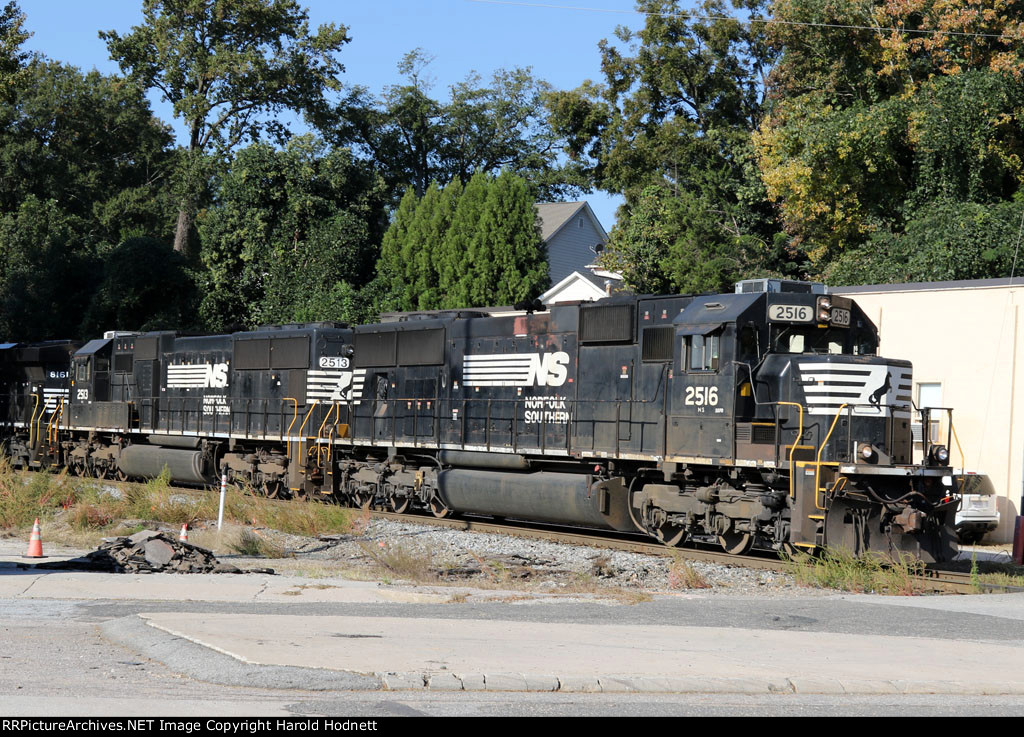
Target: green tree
(874, 129)
(393, 286)
(680, 101)
(13, 58)
(286, 229)
(48, 274)
(83, 166)
(507, 256)
(228, 67)
(144, 285)
(453, 262)
(427, 234)
(90, 143)
(947, 240)
(480, 126)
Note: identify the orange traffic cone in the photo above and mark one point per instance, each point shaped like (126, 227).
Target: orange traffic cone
(183, 537)
(35, 542)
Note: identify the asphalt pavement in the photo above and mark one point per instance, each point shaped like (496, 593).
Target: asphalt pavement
(259, 629)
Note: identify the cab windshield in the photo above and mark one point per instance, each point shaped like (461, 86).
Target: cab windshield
(821, 340)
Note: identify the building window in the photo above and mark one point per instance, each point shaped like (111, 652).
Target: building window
(929, 395)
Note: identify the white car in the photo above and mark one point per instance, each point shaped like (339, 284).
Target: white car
(978, 513)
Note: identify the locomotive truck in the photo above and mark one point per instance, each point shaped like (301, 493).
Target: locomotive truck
(759, 418)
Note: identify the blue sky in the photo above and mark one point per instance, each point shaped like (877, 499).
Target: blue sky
(560, 44)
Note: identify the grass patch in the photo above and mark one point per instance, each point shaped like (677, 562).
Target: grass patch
(682, 575)
(413, 565)
(871, 573)
(254, 545)
(83, 510)
(991, 572)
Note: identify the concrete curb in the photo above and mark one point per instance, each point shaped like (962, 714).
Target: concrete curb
(651, 684)
(207, 664)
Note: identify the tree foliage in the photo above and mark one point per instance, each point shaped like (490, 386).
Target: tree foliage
(229, 68)
(487, 127)
(473, 247)
(83, 166)
(871, 129)
(144, 284)
(670, 128)
(287, 228)
(13, 58)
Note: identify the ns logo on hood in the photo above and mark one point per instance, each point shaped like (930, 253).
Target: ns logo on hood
(197, 376)
(516, 369)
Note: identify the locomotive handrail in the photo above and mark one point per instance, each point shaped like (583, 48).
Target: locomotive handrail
(821, 447)
(295, 415)
(796, 440)
(51, 434)
(309, 414)
(32, 422)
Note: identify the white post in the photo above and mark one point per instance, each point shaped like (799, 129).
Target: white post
(223, 491)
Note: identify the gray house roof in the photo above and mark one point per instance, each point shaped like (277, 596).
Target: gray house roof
(572, 234)
(556, 215)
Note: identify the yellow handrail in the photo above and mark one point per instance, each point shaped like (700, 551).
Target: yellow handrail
(963, 459)
(32, 422)
(796, 441)
(817, 458)
(295, 415)
(319, 434)
(51, 433)
(308, 415)
(323, 424)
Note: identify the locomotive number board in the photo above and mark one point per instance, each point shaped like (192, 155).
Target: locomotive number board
(791, 313)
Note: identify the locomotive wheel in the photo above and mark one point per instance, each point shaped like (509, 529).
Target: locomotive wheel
(670, 535)
(399, 504)
(438, 508)
(736, 543)
(273, 489)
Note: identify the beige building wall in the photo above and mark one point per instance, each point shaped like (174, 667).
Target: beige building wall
(966, 336)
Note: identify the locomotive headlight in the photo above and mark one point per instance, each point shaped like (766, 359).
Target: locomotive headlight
(824, 309)
(867, 452)
(938, 455)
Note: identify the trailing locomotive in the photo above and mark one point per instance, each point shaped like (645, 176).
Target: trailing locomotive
(761, 418)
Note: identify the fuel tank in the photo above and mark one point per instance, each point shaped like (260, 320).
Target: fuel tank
(574, 499)
(148, 461)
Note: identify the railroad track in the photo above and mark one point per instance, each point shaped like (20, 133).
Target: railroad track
(934, 580)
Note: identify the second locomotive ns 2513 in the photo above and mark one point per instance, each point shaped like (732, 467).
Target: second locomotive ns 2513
(757, 418)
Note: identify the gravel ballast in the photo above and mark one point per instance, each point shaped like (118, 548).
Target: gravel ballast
(426, 553)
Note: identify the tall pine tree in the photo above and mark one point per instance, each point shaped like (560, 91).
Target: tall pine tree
(453, 261)
(508, 258)
(390, 266)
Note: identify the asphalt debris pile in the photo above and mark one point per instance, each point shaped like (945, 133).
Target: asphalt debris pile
(150, 551)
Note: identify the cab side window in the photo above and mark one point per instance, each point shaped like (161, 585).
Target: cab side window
(748, 344)
(704, 351)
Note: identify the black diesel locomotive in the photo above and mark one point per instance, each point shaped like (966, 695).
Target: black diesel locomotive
(761, 418)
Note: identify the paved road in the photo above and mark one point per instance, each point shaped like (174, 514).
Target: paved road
(88, 643)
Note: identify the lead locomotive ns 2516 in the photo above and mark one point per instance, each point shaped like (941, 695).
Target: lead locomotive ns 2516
(759, 418)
